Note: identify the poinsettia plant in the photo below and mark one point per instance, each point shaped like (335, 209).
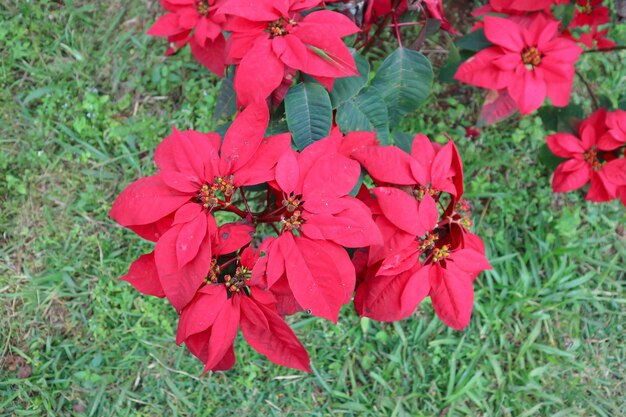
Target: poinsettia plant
(312, 198)
(524, 52)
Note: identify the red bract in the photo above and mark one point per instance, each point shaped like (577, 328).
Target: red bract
(435, 10)
(531, 63)
(408, 183)
(595, 38)
(525, 5)
(208, 324)
(583, 164)
(402, 282)
(421, 254)
(590, 13)
(615, 137)
(615, 171)
(381, 8)
(207, 42)
(271, 39)
(306, 264)
(196, 177)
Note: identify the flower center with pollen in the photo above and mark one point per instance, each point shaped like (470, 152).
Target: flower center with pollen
(531, 57)
(203, 8)
(208, 196)
(294, 222)
(591, 157)
(441, 253)
(291, 203)
(237, 282)
(428, 242)
(280, 27)
(233, 282)
(422, 190)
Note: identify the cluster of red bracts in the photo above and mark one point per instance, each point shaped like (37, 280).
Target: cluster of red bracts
(247, 231)
(268, 41)
(532, 54)
(596, 155)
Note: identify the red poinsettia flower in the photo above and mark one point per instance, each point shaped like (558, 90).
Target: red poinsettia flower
(525, 5)
(271, 39)
(590, 13)
(409, 183)
(208, 324)
(306, 265)
(207, 42)
(381, 8)
(583, 164)
(530, 62)
(435, 11)
(402, 281)
(615, 136)
(615, 172)
(196, 177)
(596, 39)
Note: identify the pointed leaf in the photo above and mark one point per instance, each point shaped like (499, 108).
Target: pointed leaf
(404, 80)
(276, 340)
(309, 113)
(347, 87)
(365, 112)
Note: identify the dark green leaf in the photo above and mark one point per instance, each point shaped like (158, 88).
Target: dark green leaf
(346, 88)
(309, 113)
(475, 41)
(366, 112)
(404, 80)
(547, 158)
(561, 119)
(446, 73)
(226, 103)
(403, 141)
(564, 13)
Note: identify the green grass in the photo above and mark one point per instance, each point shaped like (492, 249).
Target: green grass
(85, 98)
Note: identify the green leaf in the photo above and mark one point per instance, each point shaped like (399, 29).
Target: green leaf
(564, 13)
(454, 60)
(561, 119)
(404, 80)
(475, 41)
(346, 88)
(403, 141)
(309, 113)
(226, 103)
(366, 112)
(547, 158)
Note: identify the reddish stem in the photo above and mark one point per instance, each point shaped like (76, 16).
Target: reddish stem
(612, 48)
(397, 30)
(245, 202)
(233, 209)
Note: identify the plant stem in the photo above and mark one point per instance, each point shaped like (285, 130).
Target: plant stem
(379, 29)
(245, 202)
(612, 48)
(397, 30)
(233, 209)
(594, 99)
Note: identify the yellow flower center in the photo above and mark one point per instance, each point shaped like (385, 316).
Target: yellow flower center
(203, 8)
(591, 157)
(531, 57)
(441, 253)
(280, 27)
(207, 196)
(292, 223)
